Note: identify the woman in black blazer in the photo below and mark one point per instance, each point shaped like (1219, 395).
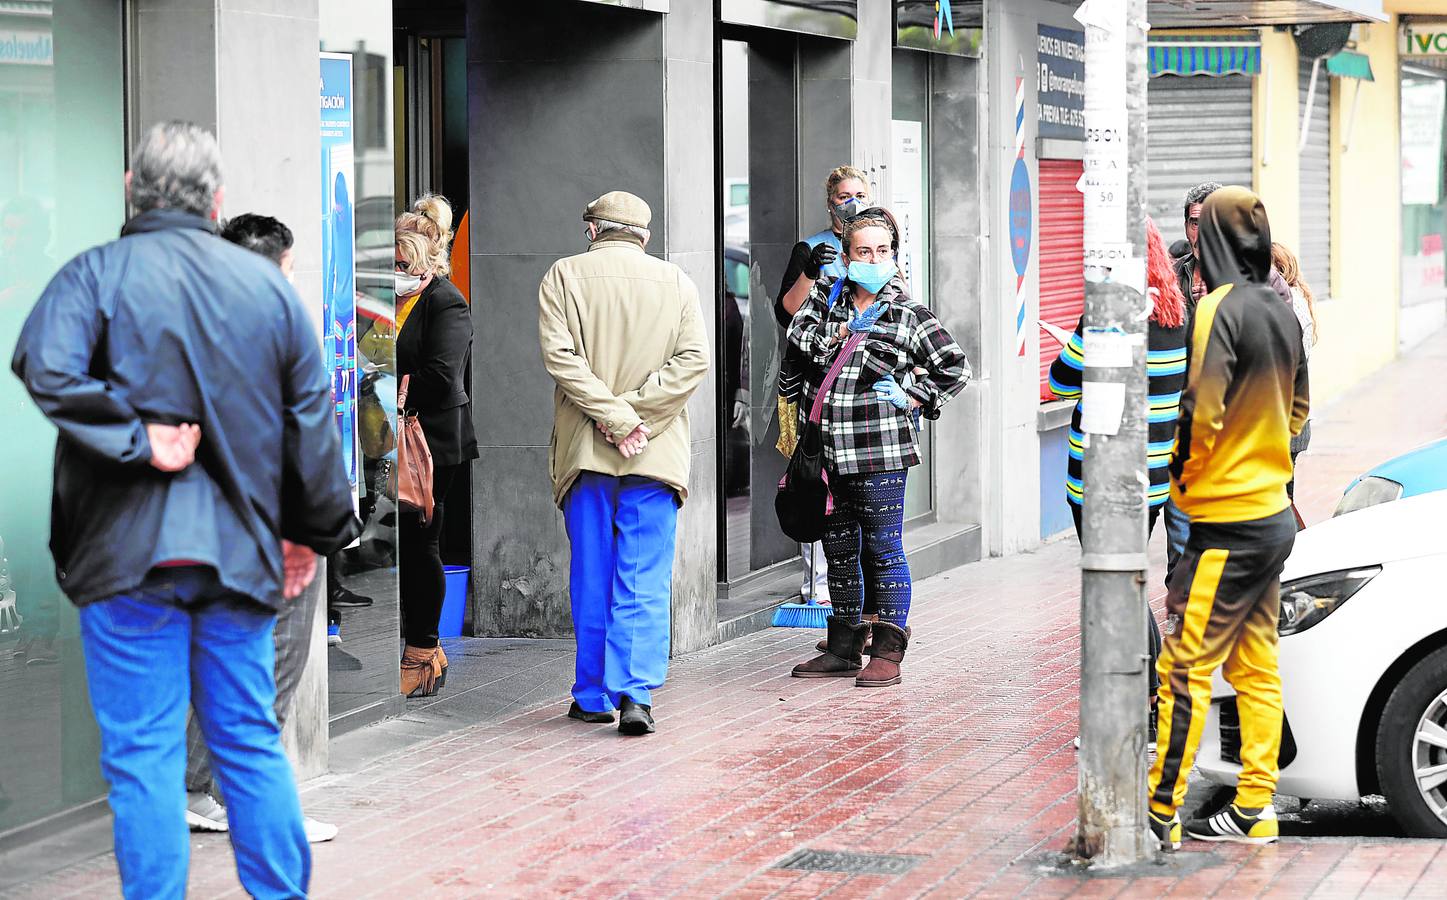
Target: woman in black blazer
(434, 347)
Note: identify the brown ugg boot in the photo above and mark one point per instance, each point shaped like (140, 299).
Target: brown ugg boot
(840, 658)
(419, 672)
(823, 645)
(890, 642)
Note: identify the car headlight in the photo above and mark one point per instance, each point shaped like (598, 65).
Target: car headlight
(1306, 601)
(1370, 491)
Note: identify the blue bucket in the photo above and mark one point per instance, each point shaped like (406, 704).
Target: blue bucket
(454, 602)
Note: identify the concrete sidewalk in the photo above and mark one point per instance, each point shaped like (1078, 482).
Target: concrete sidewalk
(963, 777)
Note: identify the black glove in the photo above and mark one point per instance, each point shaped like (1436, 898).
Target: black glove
(822, 255)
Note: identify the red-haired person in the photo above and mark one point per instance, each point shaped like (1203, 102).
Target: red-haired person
(1166, 370)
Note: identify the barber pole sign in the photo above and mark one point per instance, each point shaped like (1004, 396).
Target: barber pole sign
(1021, 216)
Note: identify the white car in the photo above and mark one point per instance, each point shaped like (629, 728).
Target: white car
(1363, 666)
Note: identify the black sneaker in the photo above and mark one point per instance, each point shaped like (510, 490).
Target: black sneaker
(1242, 826)
(634, 719)
(1166, 831)
(340, 596)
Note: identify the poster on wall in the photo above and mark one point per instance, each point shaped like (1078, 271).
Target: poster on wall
(1060, 86)
(339, 275)
(1423, 103)
(906, 201)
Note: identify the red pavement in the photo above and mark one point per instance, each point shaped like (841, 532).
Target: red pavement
(968, 764)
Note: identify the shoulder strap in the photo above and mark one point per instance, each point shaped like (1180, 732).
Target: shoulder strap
(402, 391)
(817, 410)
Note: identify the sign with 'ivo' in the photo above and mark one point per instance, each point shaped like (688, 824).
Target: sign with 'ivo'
(1424, 39)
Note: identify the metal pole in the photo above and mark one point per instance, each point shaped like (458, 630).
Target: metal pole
(1113, 829)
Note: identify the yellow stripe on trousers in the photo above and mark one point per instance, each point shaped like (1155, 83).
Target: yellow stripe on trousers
(1185, 673)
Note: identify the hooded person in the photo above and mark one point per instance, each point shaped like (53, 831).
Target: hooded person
(1245, 397)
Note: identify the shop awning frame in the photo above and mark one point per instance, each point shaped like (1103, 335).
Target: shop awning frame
(1205, 54)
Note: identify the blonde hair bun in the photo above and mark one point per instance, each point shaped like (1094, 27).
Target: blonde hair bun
(436, 209)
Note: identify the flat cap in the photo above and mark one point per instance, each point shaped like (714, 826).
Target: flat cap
(621, 207)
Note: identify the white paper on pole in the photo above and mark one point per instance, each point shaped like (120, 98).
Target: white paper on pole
(1102, 403)
(1106, 348)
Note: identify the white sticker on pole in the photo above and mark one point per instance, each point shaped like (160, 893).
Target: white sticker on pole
(1102, 403)
(1107, 348)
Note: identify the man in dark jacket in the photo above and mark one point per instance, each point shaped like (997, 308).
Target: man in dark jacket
(198, 471)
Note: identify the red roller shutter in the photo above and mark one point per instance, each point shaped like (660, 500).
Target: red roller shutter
(1062, 249)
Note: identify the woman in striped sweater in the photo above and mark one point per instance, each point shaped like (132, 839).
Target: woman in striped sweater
(1166, 368)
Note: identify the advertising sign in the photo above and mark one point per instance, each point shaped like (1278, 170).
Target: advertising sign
(1061, 86)
(339, 275)
(906, 201)
(1424, 39)
(1422, 109)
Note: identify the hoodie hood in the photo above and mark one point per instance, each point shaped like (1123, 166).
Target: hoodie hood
(1235, 238)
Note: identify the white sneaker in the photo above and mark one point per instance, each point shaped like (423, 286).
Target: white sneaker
(204, 813)
(318, 832)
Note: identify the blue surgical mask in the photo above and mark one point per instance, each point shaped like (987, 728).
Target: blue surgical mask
(872, 276)
(848, 209)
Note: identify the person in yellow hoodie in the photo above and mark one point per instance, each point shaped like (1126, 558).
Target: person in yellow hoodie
(1246, 396)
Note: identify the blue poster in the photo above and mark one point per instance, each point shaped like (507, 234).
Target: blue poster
(339, 305)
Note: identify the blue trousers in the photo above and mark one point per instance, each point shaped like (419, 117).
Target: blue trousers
(621, 584)
(150, 654)
(1178, 529)
(864, 540)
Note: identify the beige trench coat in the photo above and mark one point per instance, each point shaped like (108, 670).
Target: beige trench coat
(623, 337)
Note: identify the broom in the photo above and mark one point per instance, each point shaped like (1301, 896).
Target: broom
(804, 615)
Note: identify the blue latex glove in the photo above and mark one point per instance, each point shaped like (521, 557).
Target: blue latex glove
(889, 390)
(865, 321)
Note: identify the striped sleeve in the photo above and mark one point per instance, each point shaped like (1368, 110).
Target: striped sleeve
(1069, 368)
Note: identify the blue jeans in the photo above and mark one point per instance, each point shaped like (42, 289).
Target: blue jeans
(1178, 529)
(152, 652)
(621, 583)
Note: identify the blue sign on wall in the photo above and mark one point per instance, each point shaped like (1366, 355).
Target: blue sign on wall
(1061, 88)
(339, 274)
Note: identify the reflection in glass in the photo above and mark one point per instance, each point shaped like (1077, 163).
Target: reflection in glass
(735, 362)
(61, 191)
(362, 614)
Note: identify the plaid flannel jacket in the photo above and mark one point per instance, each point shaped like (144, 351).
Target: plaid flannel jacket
(862, 433)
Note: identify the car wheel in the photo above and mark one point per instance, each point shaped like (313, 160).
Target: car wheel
(1412, 748)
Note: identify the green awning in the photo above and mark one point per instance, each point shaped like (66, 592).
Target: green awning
(1348, 64)
(1205, 54)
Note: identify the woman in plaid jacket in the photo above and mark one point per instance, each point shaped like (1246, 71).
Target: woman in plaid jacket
(906, 362)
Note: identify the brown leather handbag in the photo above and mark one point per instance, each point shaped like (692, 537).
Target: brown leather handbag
(413, 473)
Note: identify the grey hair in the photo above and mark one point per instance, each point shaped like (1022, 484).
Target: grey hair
(1199, 193)
(606, 225)
(176, 165)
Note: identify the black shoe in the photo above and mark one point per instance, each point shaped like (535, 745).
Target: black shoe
(634, 719)
(340, 596)
(592, 718)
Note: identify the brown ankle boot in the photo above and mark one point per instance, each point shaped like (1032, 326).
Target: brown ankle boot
(440, 666)
(890, 642)
(823, 645)
(840, 658)
(419, 672)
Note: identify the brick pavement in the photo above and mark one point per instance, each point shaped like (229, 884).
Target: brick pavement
(967, 765)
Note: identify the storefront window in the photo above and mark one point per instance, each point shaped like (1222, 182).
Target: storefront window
(908, 199)
(62, 158)
(1424, 211)
(362, 602)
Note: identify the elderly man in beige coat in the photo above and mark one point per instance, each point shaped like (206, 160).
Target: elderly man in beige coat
(623, 337)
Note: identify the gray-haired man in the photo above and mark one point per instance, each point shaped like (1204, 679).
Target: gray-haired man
(196, 443)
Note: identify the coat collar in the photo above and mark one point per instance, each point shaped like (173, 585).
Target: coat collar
(614, 239)
(165, 219)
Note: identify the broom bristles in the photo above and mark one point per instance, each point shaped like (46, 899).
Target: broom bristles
(802, 615)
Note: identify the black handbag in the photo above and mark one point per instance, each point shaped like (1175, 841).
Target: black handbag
(803, 499)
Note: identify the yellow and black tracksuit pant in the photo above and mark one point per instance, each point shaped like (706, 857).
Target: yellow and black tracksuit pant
(1222, 608)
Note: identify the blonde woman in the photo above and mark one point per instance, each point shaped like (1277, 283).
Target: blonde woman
(434, 348)
(1303, 303)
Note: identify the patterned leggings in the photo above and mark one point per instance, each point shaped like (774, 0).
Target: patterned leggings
(864, 541)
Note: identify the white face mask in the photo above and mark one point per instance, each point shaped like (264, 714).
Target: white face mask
(405, 284)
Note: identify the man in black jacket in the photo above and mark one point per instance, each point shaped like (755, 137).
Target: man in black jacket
(198, 472)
